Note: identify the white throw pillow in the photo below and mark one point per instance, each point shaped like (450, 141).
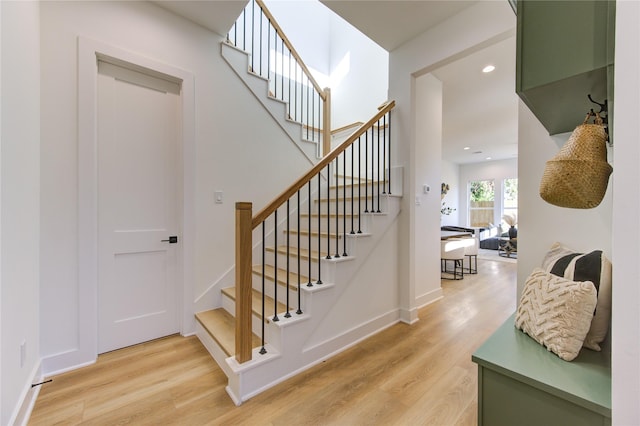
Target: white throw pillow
(556, 312)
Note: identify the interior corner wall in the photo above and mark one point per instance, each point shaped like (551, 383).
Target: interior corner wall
(626, 218)
(540, 224)
(464, 32)
(230, 155)
(425, 212)
(497, 171)
(451, 176)
(20, 205)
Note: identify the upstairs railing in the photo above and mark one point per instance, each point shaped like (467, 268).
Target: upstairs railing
(272, 56)
(356, 176)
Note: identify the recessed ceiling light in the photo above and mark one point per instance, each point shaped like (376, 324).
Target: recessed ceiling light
(466, 148)
(488, 158)
(488, 68)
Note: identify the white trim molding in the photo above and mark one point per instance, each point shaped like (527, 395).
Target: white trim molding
(89, 51)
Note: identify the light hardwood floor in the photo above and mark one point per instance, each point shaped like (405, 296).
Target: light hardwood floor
(406, 375)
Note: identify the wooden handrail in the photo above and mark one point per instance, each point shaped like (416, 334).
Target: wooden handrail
(295, 54)
(289, 192)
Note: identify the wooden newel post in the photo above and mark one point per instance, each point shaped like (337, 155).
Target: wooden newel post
(243, 281)
(326, 123)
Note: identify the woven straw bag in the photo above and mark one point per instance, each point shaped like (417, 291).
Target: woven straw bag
(578, 175)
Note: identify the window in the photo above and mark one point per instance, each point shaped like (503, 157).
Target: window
(510, 204)
(481, 202)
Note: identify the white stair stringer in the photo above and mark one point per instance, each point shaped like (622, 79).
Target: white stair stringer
(289, 351)
(238, 60)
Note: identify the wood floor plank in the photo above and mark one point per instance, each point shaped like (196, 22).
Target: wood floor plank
(404, 375)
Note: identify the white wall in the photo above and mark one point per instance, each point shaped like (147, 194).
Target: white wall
(238, 149)
(426, 213)
(626, 218)
(307, 24)
(354, 67)
(359, 74)
(451, 176)
(541, 224)
(487, 170)
(20, 204)
(482, 23)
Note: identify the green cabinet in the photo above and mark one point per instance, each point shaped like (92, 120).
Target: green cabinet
(521, 383)
(565, 51)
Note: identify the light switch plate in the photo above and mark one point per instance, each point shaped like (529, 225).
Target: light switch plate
(218, 197)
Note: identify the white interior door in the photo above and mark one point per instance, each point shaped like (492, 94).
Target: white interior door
(138, 131)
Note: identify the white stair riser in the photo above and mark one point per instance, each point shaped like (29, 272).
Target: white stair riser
(356, 222)
(370, 205)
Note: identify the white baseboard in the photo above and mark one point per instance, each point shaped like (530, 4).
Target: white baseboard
(429, 297)
(28, 397)
(409, 316)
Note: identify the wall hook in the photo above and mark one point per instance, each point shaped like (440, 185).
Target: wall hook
(604, 114)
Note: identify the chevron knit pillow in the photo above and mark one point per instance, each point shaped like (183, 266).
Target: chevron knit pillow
(594, 267)
(556, 312)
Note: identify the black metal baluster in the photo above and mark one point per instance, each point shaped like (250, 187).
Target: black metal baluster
(319, 236)
(309, 284)
(307, 121)
(366, 172)
(299, 311)
(235, 34)
(261, 19)
(269, 52)
(262, 318)
(389, 182)
(378, 168)
(253, 36)
(275, 266)
(282, 69)
(275, 62)
(287, 314)
(289, 95)
(337, 255)
(328, 212)
(244, 29)
(353, 172)
(295, 89)
(344, 202)
(313, 115)
(384, 154)
(359, 187)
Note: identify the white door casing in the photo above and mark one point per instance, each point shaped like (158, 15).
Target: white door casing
(85, 305)
(138, 127)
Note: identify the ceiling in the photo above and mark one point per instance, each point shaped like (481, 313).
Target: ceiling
(391, 23)
(217, 16)
(479, 110)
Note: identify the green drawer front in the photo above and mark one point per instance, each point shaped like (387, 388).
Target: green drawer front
(504, 401)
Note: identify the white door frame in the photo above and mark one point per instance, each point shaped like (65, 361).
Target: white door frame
(88, 53)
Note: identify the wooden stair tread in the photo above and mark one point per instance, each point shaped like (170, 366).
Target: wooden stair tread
(221, 326)
(314, 233)
(269, 272)
(256, 302)
(330, 214)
